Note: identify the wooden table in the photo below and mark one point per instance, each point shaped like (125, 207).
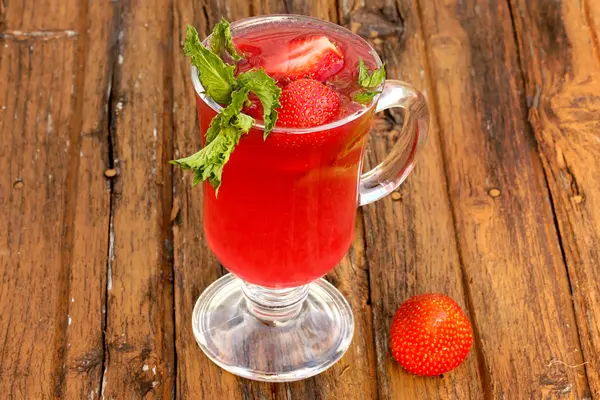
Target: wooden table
(101, 247)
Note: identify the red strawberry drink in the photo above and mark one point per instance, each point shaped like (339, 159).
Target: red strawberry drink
(285, 104)
(285, 213)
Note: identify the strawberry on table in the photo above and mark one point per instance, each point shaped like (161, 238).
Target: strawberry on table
(306, 103)
(315, 57)
(430, 334)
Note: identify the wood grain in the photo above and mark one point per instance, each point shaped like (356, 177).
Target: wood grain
(57, 210)
(85, 294)
(410, 237)
(42, 18)
(35, 102)
(139, 327)
(560, 57)
(517, 282)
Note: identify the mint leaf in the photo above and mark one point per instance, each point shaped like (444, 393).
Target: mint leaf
(243, 122)
(216, 76)
(222, 136)
(368, 79)
(220, 84)
(208, 163)
(267, 91)
(221, 40)
(364, 97)
(223, 119)
(363, 72)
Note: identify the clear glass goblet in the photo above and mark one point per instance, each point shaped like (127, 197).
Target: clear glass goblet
(284, 217)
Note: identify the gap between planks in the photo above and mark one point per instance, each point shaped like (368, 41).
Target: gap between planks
(111, 121)
(168, 146)
(164, 180)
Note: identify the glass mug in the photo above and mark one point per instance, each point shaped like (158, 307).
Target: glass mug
(283, 218)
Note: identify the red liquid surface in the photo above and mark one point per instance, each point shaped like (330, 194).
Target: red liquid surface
(285, 212)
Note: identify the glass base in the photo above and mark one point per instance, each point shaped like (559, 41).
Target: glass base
(272, 335)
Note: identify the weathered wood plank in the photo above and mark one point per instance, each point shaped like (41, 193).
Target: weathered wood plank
(35, 112)
(411, 244)
(41, 17)
(195, 267)
(90, 206)
(560, 57)
(59, 84)
(515, 274)
(139, 327)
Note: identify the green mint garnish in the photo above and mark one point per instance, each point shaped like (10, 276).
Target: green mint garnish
(221, 40)
(220, 84)
(216, 76)
(228, 115)
(368, 80)
(208, 163)
(364, 97)
(263, 86)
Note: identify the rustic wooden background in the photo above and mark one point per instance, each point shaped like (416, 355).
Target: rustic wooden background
(99, 274)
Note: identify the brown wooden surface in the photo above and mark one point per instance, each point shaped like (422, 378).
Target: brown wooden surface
(99, 273)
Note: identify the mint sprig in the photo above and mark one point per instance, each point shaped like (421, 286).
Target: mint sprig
(221, 40)
(228, 115)
(216, 76)
(220, 84)
(364, 97)
(208, 163)
(368, 80)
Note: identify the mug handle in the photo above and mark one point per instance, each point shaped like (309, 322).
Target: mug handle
(387, 176)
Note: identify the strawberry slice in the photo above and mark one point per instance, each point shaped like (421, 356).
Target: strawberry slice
(314, 57)
(248, 50)
(306, 103)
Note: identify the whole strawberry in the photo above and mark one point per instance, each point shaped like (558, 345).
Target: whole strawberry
(430, 334)
(306, 103)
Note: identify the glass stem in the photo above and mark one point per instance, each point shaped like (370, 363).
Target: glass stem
(274, 305)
